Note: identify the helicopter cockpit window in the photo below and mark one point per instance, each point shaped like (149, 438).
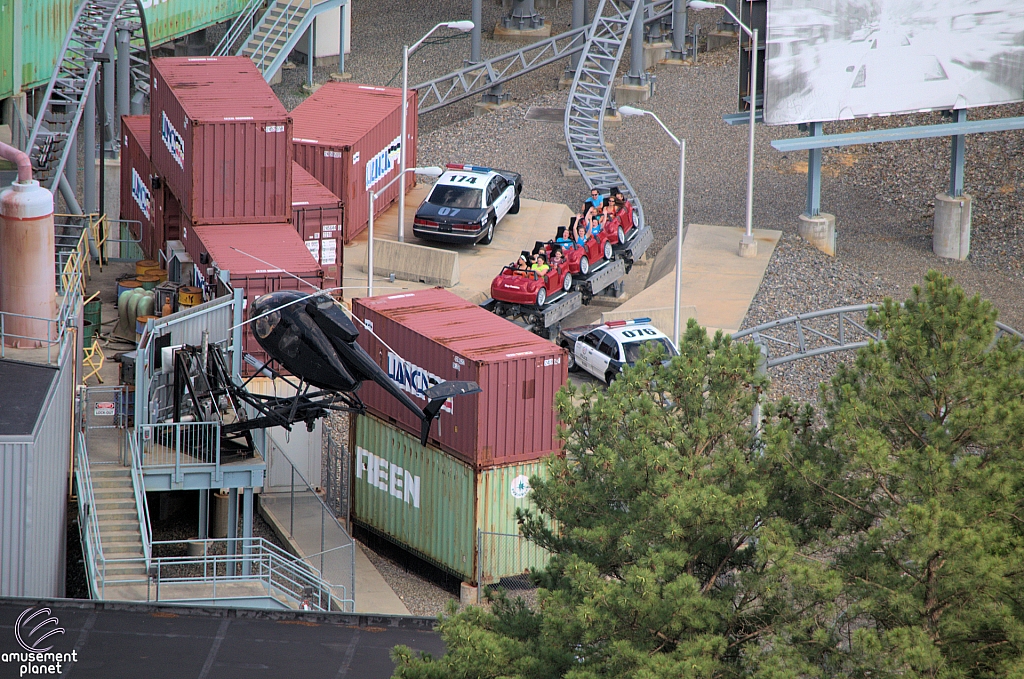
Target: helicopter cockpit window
(265, 324)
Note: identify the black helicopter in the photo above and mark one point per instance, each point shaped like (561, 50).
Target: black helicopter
(315, 340)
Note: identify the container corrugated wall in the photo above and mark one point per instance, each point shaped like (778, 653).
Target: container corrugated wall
(443, 337)
(338, 157)
(436, 504)
(139, 200)
(318, 217)
(227, 159)
(33, 497)
(169, 20)
(43, 27)
(6, 48)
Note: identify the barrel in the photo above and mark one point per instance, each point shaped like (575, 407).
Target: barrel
(148, 282)
(126, 284)
(155, 271)
(142, 265)
(140, 323)
(88, 332)
(92, 313)
(189, 296)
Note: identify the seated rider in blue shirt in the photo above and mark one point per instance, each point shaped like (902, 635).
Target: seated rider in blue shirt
(595, 200)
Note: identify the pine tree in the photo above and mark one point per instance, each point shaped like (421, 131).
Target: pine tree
(916, 478)
(664, 562)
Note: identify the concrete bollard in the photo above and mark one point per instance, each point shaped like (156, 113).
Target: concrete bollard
(819, 231)
(467, 594)
(220, 515)
(951, 237)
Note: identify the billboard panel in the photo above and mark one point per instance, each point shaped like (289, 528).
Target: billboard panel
(843, 59)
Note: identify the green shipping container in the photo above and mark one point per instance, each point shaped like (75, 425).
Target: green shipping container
(434, 506)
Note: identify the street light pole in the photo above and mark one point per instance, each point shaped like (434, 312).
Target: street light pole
(463, 26)
(680, 224)
(429, 171)
(748, 246)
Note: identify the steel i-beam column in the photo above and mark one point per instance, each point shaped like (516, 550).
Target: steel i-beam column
(474, 36)
(109, 93)
(524, 16)
(247, 530)
(89, 141)
(636, 74)
(124, 70)
(679, 30)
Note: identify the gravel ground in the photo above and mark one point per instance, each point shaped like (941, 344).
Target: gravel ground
(882, 195)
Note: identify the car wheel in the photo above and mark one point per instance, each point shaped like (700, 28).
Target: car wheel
(514, 210)
(489, 236)
(622, 235)
(542, 296)
(607, 250)
(572, 358)
(609, 376)
(584, 265)
(567, 282)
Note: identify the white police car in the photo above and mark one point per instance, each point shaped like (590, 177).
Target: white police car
(466, 203)
(602, 350)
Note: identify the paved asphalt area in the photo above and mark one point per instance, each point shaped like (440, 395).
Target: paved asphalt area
(112, 640)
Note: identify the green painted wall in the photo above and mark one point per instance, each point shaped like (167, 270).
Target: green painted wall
(44, 25)
(6, 46)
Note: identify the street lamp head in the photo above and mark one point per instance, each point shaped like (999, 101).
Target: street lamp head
(430, 171)
(464, 26)
(701, 4)
(631, 111)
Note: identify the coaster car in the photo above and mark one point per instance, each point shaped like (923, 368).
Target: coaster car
(580, 258)
(530, 288)
(618, 230)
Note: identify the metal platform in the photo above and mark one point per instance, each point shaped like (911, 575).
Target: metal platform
(544, 321)
(635, 247)
(600, 278)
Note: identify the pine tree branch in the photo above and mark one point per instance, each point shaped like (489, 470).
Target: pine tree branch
(718, 570)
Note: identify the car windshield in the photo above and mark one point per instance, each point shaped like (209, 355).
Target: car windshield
(455, 196)
(632, 349)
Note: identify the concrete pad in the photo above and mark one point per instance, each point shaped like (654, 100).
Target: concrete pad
(411, 262)
(715, 281)
(654, 52)
(631, 94)
(478, 264)
(372, 595)
(819, 231)
(502, 34)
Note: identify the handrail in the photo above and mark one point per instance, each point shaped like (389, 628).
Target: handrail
(87, 519)
(261, 49)
(199, 440)
(141, 504)
(223, 47)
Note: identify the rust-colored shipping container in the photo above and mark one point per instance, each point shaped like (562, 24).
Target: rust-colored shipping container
(443, 337)
(141, 197)
(347, 136)
(317, 216)
(221, 139)
(238, 249)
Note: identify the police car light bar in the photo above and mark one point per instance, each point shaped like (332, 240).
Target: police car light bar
(619, 324)
(468, 168)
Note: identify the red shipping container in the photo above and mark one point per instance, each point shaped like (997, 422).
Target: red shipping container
(443, 337)
(317, 216)
(141, 197)
(221, 139)
(347, 136)
(238, 249)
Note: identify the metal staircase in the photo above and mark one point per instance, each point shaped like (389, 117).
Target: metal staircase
(590, 96)
(92, 29)
(272, 36)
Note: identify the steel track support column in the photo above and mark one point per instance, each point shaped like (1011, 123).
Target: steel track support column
(247, 531)
(71, 165)
(956, 158)
(679, 30)
(636, 74)
(109, 92)
(474, 36)
(524, 17)
(89, 141)
(124, 72)
(579, 19)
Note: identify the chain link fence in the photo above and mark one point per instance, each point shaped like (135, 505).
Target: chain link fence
(337, 493)
(504, 561)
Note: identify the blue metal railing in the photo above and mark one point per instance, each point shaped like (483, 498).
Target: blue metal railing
(141, 505)
(179, 445)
